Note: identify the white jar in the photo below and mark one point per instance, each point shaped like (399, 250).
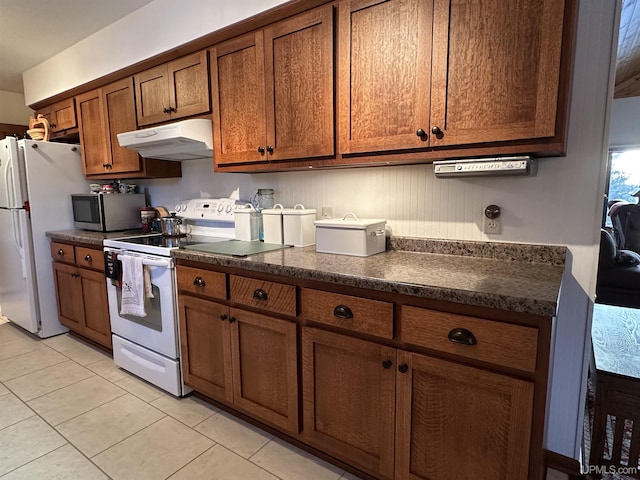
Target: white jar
(272, 224)
(247, 223)
(298, 225)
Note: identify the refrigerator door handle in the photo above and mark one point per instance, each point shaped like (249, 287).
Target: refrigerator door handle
(8, 183)
(17, 235)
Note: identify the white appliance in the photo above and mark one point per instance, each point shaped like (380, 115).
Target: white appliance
(36, 179)
(185, 140)
(149, 346)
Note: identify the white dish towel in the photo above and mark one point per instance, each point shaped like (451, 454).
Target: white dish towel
(136, 286)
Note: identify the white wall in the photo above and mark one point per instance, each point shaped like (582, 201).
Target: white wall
(13, 109)
(625, 127)
(153, 29)
(561, 205)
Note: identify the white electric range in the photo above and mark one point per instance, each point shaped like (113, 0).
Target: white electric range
(149, 346)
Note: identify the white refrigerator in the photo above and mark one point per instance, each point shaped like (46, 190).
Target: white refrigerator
(36, 181)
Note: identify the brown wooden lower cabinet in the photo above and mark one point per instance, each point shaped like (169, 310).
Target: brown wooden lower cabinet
(384, 389)
(82, 293)
(456, 421)
(241, 357)
(349, 399)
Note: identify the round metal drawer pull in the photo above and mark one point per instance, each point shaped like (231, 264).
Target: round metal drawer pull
(403, 367)
(260, 295)
(387, 364)
(232, 319)
(462, 336)
(88, 258)
(199, 282)
(61, 252)
(342, 311)
(223, 317)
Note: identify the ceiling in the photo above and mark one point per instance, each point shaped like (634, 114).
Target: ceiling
(36, 30)
(31, 32)
(628, 60)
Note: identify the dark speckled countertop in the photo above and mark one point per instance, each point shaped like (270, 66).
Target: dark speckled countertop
(91, 238)
(508, 276)
(515, 277)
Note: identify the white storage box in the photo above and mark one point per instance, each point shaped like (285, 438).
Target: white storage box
(299, 229)
(350, 236)
(272, 224)
(247, 223)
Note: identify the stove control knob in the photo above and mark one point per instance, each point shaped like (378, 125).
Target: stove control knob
(228, 208)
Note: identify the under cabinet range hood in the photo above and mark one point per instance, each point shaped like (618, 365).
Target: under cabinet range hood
(185, 140)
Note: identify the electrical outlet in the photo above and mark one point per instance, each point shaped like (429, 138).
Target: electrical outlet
(327, 212)
(491, 226)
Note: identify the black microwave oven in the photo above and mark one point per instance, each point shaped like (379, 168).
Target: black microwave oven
(107, 212)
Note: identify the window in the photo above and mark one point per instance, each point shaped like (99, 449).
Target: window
(624, 178)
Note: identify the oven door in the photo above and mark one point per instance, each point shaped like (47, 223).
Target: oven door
(158, 330)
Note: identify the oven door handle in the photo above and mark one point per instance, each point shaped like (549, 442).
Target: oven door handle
(157, 263)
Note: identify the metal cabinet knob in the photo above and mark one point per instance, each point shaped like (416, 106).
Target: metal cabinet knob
(232, 319)
(260, 295)
(387, 364)
(261, 150)
(61, 253)
(223, 317)
(88, 258)
(342, 311)
(421, 133)
(269, 149)
(402, 368)
(199, 282)
(436, 130)
(462, 336)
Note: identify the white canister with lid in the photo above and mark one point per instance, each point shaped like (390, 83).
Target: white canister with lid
(298, 225)
(272, 224)
(350, 236)
(247, 222)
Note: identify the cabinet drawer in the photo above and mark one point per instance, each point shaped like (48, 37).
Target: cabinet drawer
(499, 343)
(61, 252)
(270, 296)
(90, 258)
(203, 282)
(353, 313)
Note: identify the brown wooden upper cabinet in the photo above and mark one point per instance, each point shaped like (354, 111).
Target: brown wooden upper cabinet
(173, 90)
(273, 92)
(61, 117)
(416, 74)
(104, 113)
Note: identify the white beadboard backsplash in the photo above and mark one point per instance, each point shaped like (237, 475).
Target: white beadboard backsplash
(413, 201)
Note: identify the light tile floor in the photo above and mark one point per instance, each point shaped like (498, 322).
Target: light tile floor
(67, 412)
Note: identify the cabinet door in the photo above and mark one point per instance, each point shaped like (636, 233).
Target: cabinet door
(189, 85)
(496, 68)
(205, 348)
(265, 368)
(69, 296)
(349, 399)
(384, 57)
(96, 156)
(238, 100)
(96, 307)
(152, 95)
(299, 86)
(120, 116)
(455, 421)
(61, 115)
